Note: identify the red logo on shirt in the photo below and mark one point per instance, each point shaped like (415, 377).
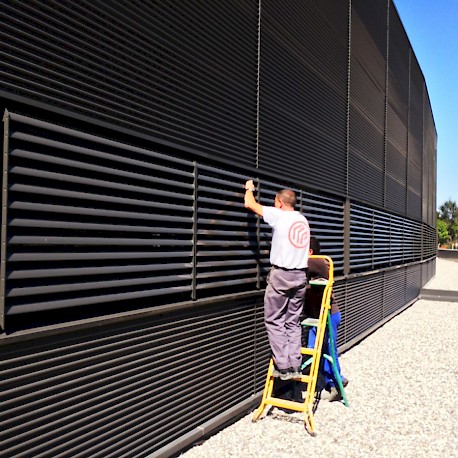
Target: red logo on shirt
(298, 234)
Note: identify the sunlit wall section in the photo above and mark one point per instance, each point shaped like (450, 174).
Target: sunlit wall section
(367, 101)
(415, 140)
(303, 91)
(397, 114)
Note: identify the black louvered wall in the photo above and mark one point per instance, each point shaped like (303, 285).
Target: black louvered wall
(183, 73)
(129, 389)
(131, 275)
(303, 91)
(91, 221)
(397, 113)
(415, 141)
(367, 101)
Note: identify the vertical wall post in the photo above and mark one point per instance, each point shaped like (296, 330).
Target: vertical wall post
(347, 140)
(385, 134)
(3, 246)
(258, 241)
(346, 247)
(194, 233)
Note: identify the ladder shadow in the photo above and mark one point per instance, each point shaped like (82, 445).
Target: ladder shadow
(294, 391)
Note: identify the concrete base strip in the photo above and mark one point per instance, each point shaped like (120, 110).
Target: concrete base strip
(439, 295)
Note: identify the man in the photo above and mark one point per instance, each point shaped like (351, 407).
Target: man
(318, 268)
(287, 279)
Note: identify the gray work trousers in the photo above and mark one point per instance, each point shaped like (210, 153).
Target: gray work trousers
(283, 303)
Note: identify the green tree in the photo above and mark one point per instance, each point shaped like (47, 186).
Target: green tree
(453, 231)
(448, 214)
(442, 232)
(448, 211)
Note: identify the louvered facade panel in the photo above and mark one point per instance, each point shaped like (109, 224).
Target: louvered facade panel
(409, 240)
(413, 204)
(340, 294)
(93, 222)
(303, 88)
(429, 241)
(365, 162)
(130, 388)
(382, 239)
(227, 241)
(398, 82)
(179, 72)
(417, 237)
(397, 240)
(361, 238)
(326, 220)
(428, 271)
(367, 101)
(364, 307)
(395, 194)
(379, 240)
(413, 282)
(429, 165)
(394, 291)
(415, 137)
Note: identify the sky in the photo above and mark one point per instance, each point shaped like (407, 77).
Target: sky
(432, 28)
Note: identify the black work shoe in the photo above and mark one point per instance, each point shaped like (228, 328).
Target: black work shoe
(283, 374)
(334, 395)
(295, 372)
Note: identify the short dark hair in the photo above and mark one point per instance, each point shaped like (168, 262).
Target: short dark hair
(315, 245)
(287, 196)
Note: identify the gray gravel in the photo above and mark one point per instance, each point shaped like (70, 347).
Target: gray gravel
(446, 276)
(403, 395)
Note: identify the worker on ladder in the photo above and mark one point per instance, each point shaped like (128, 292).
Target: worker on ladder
(286, 282)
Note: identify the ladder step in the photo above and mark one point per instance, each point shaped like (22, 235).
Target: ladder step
(303, 378)
(308, 351)
(310, 322)
(318, 282)
(277, 402)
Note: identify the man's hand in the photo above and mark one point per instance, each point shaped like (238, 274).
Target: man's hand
(250, 201)
(249, 185)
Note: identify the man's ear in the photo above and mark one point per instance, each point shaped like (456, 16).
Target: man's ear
(310, 251)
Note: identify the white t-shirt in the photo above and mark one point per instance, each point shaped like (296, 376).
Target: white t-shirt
(290, 238)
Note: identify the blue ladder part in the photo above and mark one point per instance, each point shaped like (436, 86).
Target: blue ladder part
(333, 359)
(312, 322)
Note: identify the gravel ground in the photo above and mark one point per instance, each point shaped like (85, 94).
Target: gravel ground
(403, 396)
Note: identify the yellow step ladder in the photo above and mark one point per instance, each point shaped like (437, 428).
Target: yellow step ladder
(306, 407)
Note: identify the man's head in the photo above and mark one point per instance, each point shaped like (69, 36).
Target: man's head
(314, 246)
(285, 199)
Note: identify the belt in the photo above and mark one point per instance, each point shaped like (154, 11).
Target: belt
(289, 270)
